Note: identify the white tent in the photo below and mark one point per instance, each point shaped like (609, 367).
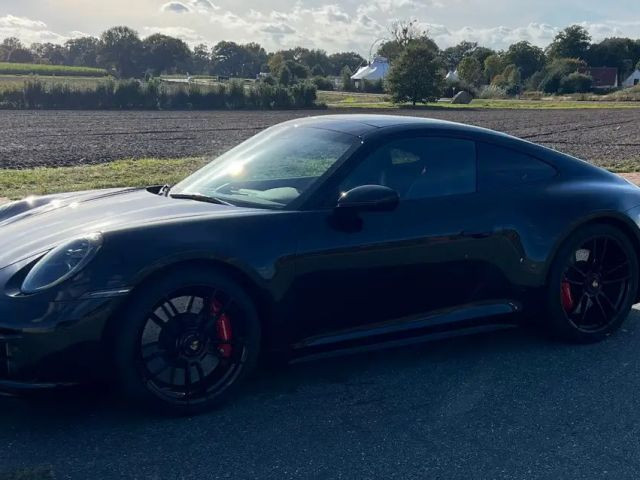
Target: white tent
(634, 79)
(375, 71)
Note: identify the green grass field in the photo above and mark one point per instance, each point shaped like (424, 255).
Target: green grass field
(367, 100)
(50, 70)
(82, 83)
(16, 184)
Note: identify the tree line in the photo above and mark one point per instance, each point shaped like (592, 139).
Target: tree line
(123, 52)
(419, 66)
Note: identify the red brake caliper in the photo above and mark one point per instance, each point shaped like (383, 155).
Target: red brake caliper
(567, 297)
(223, 329)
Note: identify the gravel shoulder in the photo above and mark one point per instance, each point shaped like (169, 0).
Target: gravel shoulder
(62, 138)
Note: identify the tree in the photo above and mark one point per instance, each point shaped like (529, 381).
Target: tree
(121, 49)
(493, 65)
(575, 83)
(403, 34)
(285, 76)
(470, 71)
(236, 60)
(12, 50)
(482, 53)
(572, 42)
(342, 59)
(528, 58)
(200, 59)
(165, 54)
(454, 55)
(416, 75)
(346, 74)
(621, 53)
(49, 53)
(82, 52)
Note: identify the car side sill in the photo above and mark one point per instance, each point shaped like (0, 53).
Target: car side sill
(302, 357)
(450, 319)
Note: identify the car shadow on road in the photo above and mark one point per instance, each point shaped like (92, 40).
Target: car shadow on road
(422, 370)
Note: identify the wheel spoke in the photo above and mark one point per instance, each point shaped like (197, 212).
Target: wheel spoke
(604, 251)
(608, 300)
(617, 280)
(615, 269)
(604, 314)
(577, 270)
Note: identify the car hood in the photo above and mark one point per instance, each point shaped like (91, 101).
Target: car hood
(37, 224)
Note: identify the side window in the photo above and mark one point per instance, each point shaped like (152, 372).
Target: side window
(500, 168)
(419, 168)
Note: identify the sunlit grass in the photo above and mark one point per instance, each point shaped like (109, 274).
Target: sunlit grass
(122, 173)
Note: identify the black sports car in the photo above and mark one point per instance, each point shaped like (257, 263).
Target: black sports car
(316, 235)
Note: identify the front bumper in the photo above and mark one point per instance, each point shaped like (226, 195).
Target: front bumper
(62, 346)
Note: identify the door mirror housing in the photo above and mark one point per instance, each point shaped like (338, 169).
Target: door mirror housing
(369, 198)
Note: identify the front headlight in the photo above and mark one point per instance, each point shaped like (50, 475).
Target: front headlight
(61, 263)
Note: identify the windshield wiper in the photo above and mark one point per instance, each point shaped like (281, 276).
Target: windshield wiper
(199, 198)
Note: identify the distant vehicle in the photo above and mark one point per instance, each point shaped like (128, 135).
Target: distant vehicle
(318, 235)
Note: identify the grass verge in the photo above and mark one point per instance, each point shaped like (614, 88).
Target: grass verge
(364, 100)
(16, 184)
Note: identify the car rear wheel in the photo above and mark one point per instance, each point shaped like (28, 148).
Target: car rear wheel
(186, 341)
(593, 284)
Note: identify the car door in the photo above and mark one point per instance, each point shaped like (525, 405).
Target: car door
(428, 254)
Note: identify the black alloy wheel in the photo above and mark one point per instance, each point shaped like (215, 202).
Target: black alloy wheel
(596, 284)
(187, 341)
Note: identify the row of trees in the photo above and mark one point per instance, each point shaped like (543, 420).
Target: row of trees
(418, 65)
(122, 51)
(559, 68)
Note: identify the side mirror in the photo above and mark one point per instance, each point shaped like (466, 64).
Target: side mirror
(369, 198)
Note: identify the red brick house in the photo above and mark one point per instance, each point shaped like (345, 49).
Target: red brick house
(603, 77)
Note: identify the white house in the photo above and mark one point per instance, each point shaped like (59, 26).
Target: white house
(375, 71)
(634, 79)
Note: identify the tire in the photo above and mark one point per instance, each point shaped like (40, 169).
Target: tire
(186, 341)
(582, 287)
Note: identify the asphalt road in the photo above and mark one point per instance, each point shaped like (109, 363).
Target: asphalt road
(506, 404)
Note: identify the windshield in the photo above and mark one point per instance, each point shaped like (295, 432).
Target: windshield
(271, 169)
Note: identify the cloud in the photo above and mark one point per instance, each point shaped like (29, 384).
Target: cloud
(28, 30)
(10, 21)
(189, 35)
(278, 29)
(175, 7)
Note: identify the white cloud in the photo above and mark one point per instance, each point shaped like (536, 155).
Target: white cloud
(28, 30)
(175, 7)
(189, 35)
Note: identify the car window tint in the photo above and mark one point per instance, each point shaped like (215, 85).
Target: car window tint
(419, 167)
(500, 168)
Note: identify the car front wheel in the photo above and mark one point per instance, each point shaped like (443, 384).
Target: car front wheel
(186, 341)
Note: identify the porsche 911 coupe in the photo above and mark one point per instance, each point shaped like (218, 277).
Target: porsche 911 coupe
(318, 235)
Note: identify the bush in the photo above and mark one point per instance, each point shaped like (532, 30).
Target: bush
(493, 92)
(373, 86)
(551, 82)
(575, 83)
(153, 95)
(323, 83)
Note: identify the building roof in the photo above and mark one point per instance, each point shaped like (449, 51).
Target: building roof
(375, 71)
(603, 76)
(631, 78)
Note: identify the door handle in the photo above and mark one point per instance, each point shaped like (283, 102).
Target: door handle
(477, 234)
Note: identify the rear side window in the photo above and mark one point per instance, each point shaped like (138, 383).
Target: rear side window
(500, 168)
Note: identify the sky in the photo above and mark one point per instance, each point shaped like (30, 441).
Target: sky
(328, 24)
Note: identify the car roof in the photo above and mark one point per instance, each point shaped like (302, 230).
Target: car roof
(363, 124)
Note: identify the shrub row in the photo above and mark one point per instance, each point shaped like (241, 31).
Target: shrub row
(58, 70)
(154, 95)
